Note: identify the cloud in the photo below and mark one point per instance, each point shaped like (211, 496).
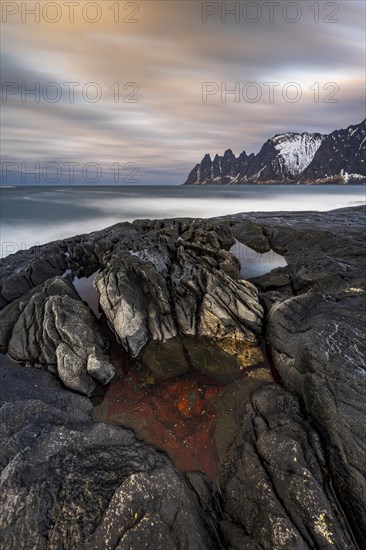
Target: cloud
(169, 54)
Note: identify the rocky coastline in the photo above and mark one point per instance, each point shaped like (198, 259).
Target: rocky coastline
(262, 450)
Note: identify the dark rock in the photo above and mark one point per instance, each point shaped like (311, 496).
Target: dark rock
(252, 234)
(317, 337)
(158, 280)
(69, 483)
(26, 269)
(13, 287)
(340, 158)
(277, 278)
(193, 292)
(51, 328)
(230, 408)
(291, 470)
(274, 484)
(318, 345)
(165, 360)
(291, 157)
(21, 385)
(135, 299)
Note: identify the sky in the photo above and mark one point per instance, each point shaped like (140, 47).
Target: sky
(149, 80)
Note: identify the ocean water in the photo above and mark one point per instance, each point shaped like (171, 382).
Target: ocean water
(36, 215)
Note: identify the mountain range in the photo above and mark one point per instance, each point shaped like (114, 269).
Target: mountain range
(339, 157)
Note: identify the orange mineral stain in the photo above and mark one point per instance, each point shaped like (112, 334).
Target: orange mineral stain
(176, 416)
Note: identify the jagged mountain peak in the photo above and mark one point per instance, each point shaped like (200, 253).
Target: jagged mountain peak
(341, 157)
(291, 157)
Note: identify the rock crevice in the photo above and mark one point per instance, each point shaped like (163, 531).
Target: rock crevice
(292, 458)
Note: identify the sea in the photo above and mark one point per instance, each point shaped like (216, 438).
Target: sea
(32, 215)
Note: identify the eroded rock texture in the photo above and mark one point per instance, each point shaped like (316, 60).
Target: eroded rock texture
(29, 268)
(187, 286)
(50, 327)
(274, 482)
(69, 483)
(157, 281)
(319, 349)
(316, 329)
(292, 458)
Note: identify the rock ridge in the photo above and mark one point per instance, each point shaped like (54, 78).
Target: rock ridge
(339, 157)
(292, 458)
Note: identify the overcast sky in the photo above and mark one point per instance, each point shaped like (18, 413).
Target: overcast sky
(168, 53)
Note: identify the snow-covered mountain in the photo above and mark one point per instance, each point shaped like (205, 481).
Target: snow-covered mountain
(283, 157)
(290, 158)
(296, 151)
(341, 157)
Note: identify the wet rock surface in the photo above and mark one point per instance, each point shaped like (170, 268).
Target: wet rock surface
(178, 411)
(319, 349)
(316, 329)
(290, 460)
(193, 292)
(70, 483)
(274, 481)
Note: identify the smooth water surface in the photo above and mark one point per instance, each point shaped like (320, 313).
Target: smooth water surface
(36, 215)
(254, 264)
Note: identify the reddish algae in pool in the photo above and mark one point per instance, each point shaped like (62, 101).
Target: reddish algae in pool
(176, 416)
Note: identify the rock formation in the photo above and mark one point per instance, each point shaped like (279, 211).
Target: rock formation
(68, 482)
(53, 329)
(339, 157)
(316, 330)
(291, 456)
(274, 483)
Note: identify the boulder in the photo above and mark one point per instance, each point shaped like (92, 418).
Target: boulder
(51, 328)
(194, 292)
